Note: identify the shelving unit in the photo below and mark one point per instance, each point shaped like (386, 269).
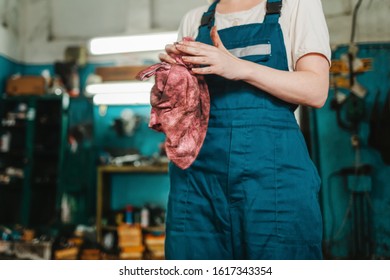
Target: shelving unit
(33, 133)
(104, 192)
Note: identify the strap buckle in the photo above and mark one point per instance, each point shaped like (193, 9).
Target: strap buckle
(274, 7)
(207, 19)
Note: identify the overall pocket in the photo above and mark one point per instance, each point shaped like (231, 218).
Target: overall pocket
(299, 215)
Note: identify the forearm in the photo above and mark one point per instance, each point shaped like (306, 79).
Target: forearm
(307, 85)
(303, 87)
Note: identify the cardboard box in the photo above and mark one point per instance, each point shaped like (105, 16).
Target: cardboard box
(119, 73)
(132, 253)
(26, 85)
(66, 253)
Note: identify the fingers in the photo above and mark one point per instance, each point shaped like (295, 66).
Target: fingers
(185, 47)
(163, 57)
(188, 49)
(203, 70)
(198, 49)
(171, 52)
(171, 49)
(215, 38)
(196, 60)
(194, 48)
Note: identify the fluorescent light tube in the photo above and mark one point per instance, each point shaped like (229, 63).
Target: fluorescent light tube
(121, 99)
(120, 87)
(125, 93)
(127, 44)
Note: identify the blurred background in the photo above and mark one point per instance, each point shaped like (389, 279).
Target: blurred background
(83, 177)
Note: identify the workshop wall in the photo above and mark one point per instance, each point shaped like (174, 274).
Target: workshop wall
(133, 189)
(47, 27)
(10, 28)
(81, 188)
(10, 51)
(7, 67)
(142, 139)
(372, 20)
(352, 195)
(55, 24)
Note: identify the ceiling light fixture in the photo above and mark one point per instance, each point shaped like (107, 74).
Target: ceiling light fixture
(121, 93)
(135, 43)
(119, 87)
(121, 99)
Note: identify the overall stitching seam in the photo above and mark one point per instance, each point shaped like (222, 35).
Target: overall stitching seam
(276, 188)
(245, 178)
(228, 194)
(186, 201)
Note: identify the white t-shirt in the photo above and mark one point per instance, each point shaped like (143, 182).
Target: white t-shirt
(302, 22)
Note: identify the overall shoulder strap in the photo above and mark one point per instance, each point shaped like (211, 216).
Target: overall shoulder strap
(274, 8)
(208, 17)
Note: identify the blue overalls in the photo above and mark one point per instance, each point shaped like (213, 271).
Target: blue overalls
(252, 192)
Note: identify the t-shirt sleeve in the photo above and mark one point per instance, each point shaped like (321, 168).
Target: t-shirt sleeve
(309, 31)
(190, 23)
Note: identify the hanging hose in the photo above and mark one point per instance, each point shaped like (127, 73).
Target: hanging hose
(355, 101)
(351, 57)
(354, 18)
(352, 49)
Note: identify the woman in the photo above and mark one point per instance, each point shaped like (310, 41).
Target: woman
(252, 192)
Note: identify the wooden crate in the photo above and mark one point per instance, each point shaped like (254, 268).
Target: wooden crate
(26, 85)
(119, 73)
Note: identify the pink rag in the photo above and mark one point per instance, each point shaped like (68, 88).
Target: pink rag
(180, 109)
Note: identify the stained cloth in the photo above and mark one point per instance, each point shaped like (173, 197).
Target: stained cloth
(180, 108)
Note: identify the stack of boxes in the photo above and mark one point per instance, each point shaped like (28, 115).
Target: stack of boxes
(90, 254)
(154, 246)
(70, 253)
(136, 239)
(130, 238)
(130, 242)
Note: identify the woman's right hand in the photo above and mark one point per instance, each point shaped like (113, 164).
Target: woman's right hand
(170, 52)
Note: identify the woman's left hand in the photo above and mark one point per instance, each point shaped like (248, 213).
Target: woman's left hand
(214, 59)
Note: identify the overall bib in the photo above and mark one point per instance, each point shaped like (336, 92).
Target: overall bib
(252, 192)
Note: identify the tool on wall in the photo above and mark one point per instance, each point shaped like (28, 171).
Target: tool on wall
(127, 123)
(69, 77)
(379, 137)
(357, 223)
(351, 107)
(349, 102)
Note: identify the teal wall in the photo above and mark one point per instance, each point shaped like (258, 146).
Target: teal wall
(334, 152)
(139, 190)
(133, 189)
(144, 139)
(7, 67)
(80, 171)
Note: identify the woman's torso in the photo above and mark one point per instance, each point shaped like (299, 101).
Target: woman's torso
(299, 35)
